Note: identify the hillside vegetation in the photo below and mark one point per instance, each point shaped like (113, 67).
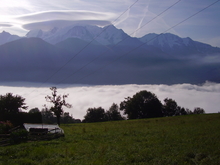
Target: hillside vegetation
(190, 139)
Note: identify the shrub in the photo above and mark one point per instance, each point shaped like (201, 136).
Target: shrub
(5, 126)
(19, 136)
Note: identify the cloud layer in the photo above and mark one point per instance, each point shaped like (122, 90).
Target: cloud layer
(48, 20)
(48, 25)
(83, 97)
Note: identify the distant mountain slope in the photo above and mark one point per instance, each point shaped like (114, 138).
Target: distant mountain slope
(34, 60)
(107, 36)
(168, 43)
(112, 58)
(28, 48)
(6, 37)
(29, 59)
(173, 44)
(76, 45)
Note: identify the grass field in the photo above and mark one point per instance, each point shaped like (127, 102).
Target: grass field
(191, 139)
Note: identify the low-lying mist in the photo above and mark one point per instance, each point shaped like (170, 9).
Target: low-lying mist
(83, 97)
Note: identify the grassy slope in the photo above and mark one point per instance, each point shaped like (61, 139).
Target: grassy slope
(192, 139)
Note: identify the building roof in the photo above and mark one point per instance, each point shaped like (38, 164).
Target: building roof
(52, 128)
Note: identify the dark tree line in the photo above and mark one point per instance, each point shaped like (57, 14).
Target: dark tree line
(48, 117)
(12, 106)
(143, 104)
(100, 115)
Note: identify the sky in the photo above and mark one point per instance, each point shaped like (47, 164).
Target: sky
(205, 95)
(19, 17)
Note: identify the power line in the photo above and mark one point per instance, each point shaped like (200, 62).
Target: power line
(125, 11)
(155, 17)
(120, 41)
(58, 70)
(149, 40)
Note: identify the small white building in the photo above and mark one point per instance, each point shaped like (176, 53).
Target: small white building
(51, 128)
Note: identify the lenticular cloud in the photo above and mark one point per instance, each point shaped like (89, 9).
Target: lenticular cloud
(83, 97)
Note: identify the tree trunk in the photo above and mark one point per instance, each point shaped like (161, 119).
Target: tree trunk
(58, 120)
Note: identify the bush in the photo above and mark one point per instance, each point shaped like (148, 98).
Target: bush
(5, 127)
(19, 136)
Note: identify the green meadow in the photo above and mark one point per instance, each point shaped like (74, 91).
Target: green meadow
(190, 139)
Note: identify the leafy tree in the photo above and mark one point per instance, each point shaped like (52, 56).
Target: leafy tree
(67, 118)
(58, 103)
(10, 106)
(198, 110)
(34, 110)
(143, 104)
(113, 113)
(188, 111)
(170, 107)
(33, 116)
(94, 115)
(180, 111)
(30, 117)
(47, 116)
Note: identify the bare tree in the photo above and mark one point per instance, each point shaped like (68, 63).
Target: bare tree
(58, 103)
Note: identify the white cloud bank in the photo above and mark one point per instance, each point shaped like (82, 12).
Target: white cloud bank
(83, 97)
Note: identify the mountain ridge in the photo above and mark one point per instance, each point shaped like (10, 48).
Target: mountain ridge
(168, 59)
(111, 36)
(6, 37)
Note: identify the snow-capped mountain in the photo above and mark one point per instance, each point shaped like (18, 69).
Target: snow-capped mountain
(173, 44)
(154, 58)
(7, 37)
(165, 40)
(106, 36)
(168, 43)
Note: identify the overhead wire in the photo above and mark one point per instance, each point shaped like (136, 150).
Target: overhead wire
(120, 41)
(81, 50)
(149, 40)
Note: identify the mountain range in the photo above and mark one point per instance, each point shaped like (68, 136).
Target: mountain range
(7, 37)
(86, 54)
